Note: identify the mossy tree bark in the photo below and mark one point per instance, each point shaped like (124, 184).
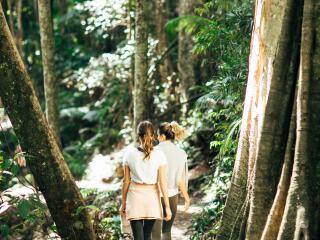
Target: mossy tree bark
(265, 202)
(141, 103)
(50, 81)
(44, 157)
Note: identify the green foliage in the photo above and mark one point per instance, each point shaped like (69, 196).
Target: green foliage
(91, 207)
(94, 67)
(8, 171)
(222, 38)
(105, 210)
(76, 157)
(189, 23)
(30, 212)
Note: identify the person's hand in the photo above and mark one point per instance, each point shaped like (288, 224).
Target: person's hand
(168, 214)
(122, 211)
(186, 204)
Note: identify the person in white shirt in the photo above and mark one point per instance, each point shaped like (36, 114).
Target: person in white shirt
(177, 178)
(144, 170)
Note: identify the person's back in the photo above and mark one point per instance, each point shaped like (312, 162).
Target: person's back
(176, 165)
(144, 175)
(176, 171)
(143, 171)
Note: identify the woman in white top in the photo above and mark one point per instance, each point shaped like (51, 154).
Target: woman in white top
(176, 175)
(144, 168)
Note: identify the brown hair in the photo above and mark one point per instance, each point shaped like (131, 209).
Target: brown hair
(172, 131)
(145, 133)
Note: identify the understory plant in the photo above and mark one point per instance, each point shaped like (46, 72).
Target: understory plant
(222, 36)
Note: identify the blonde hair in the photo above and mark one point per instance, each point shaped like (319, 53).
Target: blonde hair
(172, 131)
(179, 131)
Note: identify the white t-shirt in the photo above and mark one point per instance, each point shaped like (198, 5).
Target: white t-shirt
(143, 170)
(177, 167)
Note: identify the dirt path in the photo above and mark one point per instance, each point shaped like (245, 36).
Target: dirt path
(183, 220)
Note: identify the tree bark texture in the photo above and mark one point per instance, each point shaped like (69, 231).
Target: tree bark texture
(50, 81)
(44, 157)
(186, 59)
(161, 20)
(141, 86)
(276, 170)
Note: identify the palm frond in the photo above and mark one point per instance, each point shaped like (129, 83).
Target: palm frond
(234, 126)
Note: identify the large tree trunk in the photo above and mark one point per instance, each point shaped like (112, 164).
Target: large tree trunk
(280, 55)
(50, 81)
(141, 103)
(43, 155)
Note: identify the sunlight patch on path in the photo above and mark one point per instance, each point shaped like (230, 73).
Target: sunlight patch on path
(102, 167)
(183, 221)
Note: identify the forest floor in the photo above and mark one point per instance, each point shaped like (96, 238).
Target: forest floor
(103, 167)
(183, 220)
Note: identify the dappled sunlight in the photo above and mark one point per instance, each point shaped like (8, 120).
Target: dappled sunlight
(77, 78)
(101, 172)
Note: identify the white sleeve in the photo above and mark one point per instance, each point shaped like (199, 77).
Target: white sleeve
(125, 160)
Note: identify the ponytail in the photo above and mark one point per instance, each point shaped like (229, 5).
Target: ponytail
(145, 133)
(172, 131)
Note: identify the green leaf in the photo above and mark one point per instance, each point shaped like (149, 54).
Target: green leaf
(4, 230)
(92, 207)
(24, 208)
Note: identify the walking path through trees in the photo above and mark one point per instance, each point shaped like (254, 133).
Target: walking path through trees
(106, 167)
(183, 219)
(104, 174)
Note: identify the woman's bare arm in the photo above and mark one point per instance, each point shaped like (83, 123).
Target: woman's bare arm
(164, 191)
(125, 188)
(184, 192)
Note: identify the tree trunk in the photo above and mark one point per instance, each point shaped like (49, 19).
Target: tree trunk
(44, 157)
(282, 52)
(50, 81)
(11, 19)
(187, 61)
(161, 20)
(35, 9)
(140, 94)
(63, 6)
(63, 9)
(19, 32)
(130, 38)
(297, 213)
(15, 8)
(271, 229)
